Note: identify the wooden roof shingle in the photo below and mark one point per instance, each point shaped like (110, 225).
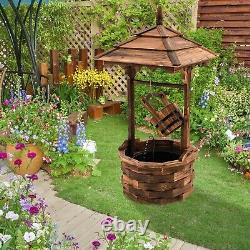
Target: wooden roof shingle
(158, 46)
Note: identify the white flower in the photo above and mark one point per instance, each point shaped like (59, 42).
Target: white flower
(230, 135)
(6, 237)
(148, 246)
(36, 226)
(6, 184)
(29, 236)
(5, 206)
(12, 216)
(39, 233)
(90, 146)
(1, 212)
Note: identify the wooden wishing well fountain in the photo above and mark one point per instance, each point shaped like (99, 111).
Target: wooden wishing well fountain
(158, 170)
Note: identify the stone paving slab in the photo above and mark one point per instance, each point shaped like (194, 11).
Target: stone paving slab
(72, 219)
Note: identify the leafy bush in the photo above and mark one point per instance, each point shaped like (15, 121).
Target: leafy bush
(118, 19)
(237, 155)
(78, 161)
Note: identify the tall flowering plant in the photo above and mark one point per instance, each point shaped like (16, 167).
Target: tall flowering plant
(63, 137)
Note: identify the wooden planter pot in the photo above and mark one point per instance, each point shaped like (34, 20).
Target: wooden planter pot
(111, 108)
(28, 166)
(163, 178)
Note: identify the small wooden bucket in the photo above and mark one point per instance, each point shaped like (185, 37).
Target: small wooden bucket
(168, 119)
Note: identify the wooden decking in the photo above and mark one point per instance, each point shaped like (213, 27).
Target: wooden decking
(78, 221)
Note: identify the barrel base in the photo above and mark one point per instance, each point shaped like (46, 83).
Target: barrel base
(161, 181)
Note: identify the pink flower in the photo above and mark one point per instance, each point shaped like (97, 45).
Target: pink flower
(107, 221)
(31, 155)
(18, 162)
(111, 237)
(238, 149)
(47, 160)
(6, 102)
(96, 244)
(34, 210)
(3, 155)
(20, 146)
(33, 177)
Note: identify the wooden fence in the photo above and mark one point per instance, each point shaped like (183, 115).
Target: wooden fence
(233, 16)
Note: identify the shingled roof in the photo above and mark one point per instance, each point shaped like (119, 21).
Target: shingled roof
(159, 46)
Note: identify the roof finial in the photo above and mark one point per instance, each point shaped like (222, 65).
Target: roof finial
(159, 19)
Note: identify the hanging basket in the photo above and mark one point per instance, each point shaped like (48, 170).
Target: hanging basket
(168, 119)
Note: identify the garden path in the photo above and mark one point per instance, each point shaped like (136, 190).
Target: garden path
(78, 221)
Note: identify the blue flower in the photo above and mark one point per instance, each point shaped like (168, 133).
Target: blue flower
(63, 137)
(80, 134)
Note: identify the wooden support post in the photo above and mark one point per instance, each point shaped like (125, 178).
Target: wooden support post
(185, 130)
(83, 57)
(130, 71)
(74, 57)
(99, 64)
(80, 65)
(54, 61)
(44, 71)
(69, 71)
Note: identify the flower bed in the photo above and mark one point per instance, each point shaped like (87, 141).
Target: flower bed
(24, 220)
(237, 153)
(126, 239)
(46, 126)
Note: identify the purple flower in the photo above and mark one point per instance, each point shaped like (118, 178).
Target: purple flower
(6, 102)
(111, 237)
(3, 155)
(20, 146)
(31, 155)
(33, 177)
(96, 244)
(107, 221)
(34, 210)
(18, 162)
(28, 223)
(25, 204)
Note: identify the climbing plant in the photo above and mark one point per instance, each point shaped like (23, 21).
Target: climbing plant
(55, 23)
(118, 19)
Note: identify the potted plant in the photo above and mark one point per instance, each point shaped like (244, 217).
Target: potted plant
(91, 80)
(32, 130)
(24, 159)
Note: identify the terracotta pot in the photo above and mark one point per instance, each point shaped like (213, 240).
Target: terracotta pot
(28, 166)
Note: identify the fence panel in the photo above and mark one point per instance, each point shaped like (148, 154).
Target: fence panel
(233, 16)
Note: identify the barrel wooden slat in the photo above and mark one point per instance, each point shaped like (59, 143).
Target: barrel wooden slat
(158, 182)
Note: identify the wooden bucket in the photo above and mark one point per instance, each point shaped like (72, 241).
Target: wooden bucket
(168, 119)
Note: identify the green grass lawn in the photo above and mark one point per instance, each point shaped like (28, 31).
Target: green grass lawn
(216, 215)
